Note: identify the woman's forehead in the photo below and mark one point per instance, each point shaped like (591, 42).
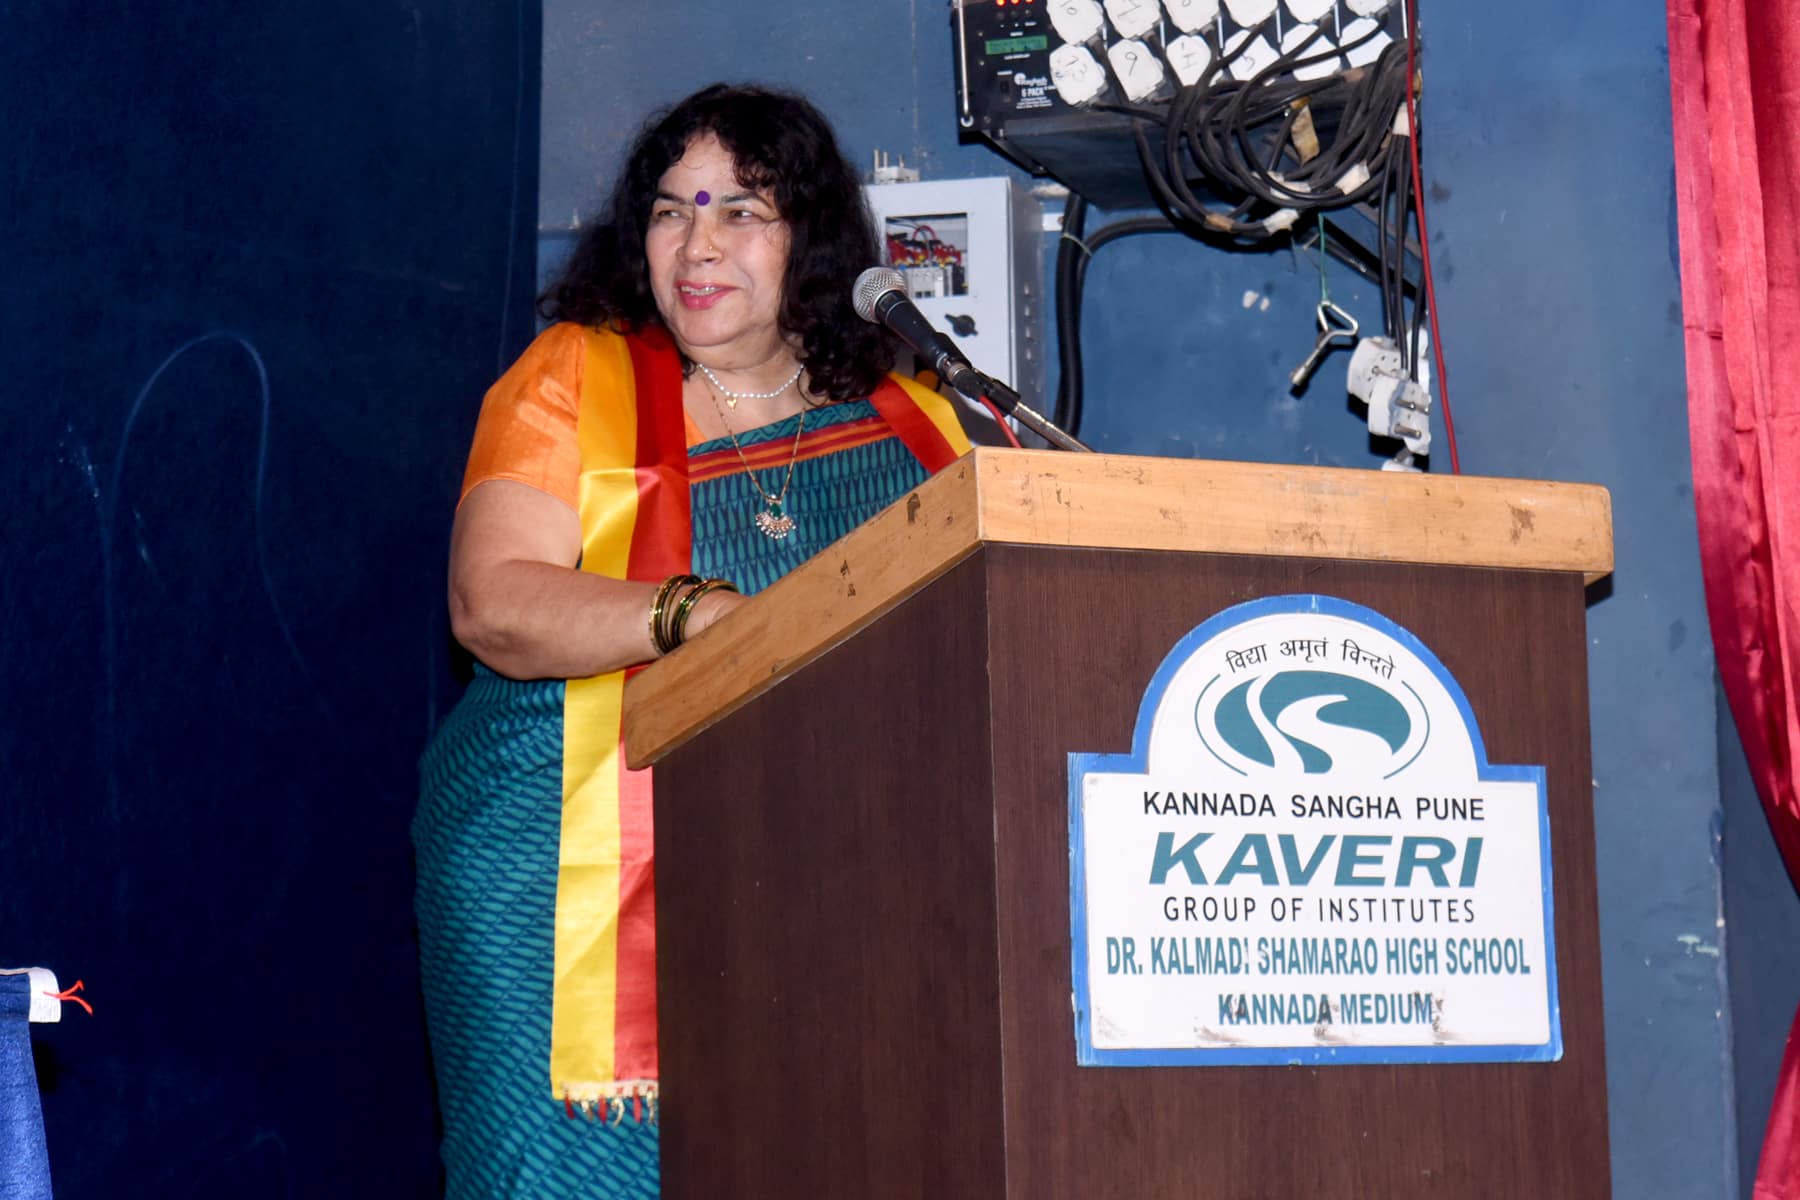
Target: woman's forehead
(706, 166)
(706, 162)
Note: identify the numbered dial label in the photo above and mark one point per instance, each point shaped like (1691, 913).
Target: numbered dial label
(1138, 69)
(1319, 47)
(1250, 13)
(1133, 18)
(1369, 51)
(1077, 75)
(1191, 16)
(1191, 58)
(1077, 22)
(1257, 55)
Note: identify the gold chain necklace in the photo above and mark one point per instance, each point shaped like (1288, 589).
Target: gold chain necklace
(773, 521)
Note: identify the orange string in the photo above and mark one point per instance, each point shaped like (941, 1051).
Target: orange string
(69, 994)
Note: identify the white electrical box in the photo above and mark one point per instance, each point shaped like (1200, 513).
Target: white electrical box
(972, 254)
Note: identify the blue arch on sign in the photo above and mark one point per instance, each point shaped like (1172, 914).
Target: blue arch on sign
(1136, 762)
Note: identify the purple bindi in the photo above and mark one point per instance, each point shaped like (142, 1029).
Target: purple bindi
(702, 198)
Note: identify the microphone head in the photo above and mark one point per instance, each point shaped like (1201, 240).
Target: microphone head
(871, 286)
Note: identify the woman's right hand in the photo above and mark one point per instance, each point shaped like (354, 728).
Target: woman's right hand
(711, 608)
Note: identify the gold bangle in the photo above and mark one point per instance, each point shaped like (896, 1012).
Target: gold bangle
(683, 610)
(658, 628)
(665, 621)
(666, 635)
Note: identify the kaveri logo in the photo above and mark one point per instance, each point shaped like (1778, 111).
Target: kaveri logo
(1311, 722)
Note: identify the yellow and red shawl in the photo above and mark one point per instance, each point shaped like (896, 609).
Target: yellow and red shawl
(636, 524)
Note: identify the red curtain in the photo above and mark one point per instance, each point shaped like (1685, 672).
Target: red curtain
(1734, 68)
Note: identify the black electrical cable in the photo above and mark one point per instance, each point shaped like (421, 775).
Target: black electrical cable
(1128, 227)
(1073, 253)
(1224, 139)
(1418, 323)
(1221, 128)
(1230, 171)
(1402, 223)
(1070, 260)
(1381, 245)
(1392, 249)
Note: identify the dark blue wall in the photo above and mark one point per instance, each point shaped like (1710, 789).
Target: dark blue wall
(1555, 232)
(1549, 173)
(261, 261)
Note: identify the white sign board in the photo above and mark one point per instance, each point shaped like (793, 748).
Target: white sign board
(1307, 858)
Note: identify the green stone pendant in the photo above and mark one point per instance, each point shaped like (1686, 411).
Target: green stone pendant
(773, 522)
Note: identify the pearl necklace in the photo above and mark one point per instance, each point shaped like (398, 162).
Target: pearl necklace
(732, 398)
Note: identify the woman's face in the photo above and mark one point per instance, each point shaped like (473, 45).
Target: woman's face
(718, 252)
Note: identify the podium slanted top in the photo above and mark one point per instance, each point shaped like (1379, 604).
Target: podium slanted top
(1045, 498)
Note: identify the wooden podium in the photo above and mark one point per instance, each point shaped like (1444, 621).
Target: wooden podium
(862, 839)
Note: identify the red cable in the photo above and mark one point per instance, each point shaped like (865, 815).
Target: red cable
(1412, 128)
(1000, 420)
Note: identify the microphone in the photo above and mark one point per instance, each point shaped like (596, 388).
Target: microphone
(880, 299)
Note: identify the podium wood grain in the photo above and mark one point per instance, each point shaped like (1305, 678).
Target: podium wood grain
(1042, 498)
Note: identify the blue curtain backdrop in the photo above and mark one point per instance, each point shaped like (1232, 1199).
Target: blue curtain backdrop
(261, 262)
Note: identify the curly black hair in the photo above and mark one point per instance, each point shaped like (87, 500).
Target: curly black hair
(780, 144)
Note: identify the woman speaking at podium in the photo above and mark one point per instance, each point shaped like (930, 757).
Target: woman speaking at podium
(706, 413)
